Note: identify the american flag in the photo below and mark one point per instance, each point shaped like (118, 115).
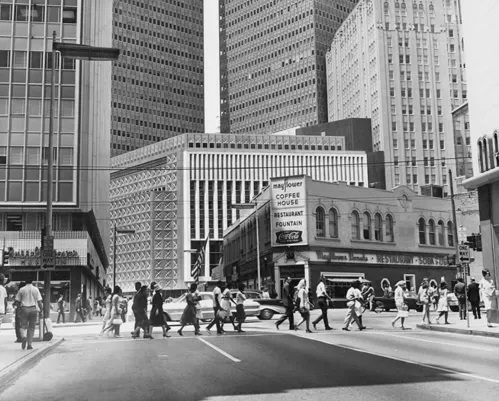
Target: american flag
(199, 264)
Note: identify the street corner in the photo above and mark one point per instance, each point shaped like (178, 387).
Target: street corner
(485, 332)
(15, 361)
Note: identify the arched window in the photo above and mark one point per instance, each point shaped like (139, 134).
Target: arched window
(431, 8)
(480, 156)
(414, 6)
(431, 232)
(355, 225)
(441, 233)
(333, 223)
(496, 149)
(403, 6)
(386, 7)
(421, 6)
(422, 231)
(378, 227)
(485, 154)
(450, 234)
(397, 5)
(389, 227)
(320, 226)
(366, 225)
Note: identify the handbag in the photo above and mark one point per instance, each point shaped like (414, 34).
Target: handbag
(117, 321)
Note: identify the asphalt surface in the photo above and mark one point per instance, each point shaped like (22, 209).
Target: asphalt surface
(380, 363)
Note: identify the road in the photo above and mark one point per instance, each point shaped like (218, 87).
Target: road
(380, 363)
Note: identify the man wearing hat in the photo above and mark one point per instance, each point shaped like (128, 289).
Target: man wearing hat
(474, 298)
(460, 293)
(287, 300)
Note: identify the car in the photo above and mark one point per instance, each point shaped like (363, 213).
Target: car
(268, 307)
(388, 303)
(173, 310)
(452, 302)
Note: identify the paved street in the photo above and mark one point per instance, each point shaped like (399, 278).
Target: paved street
(380, 363)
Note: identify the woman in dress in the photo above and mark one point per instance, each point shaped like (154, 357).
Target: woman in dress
(240, 314)
(424, 299)
(107, 310)
(225, 312)
(157, 316)
(189, 314)
(114, 322)
(487, 290)
(399, 296)
(443, 305)
(304, 306)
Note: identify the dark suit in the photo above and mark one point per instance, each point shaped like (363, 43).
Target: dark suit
(139, 308)
(460, 291)
(474, 298)
(287, 300)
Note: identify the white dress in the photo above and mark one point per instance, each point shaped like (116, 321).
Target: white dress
(443, 305)
(487, 290)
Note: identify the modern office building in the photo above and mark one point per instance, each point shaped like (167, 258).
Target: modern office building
(401, 63)
(178, 192)
(272, 62)
(81, 143)
(343, 233)
(158, 84)
(462, 132)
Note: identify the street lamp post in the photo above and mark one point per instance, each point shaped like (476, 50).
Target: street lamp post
(78, 52)
(117, 231)
(253, 206)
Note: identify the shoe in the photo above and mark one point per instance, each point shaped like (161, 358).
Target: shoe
(489, 325)
(134, 336)
(118, 336)
(208, 331)
(23, 343)
(30, 347)
(315, 326)
(168, 328)
(277, 326)
(308, 331)
(166, 336)
(329, 328)
(345, 329)
(18, 341)
(179, 332)
(198, 334)
(393, 324)
(219, 333)
(363, 328)
(241, 331)
(296, 327)
(447, 323)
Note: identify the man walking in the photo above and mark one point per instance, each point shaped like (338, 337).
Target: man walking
(287, 300)
(27, 298)
(322, 299)
(353, 297)
(139, 309)
(79, 309)
(3, 299)
(460, 292)
(474, 298)
(217, 296)
(60, 309)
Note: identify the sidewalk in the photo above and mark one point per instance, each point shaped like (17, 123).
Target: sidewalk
(14, 361)
(478, 327)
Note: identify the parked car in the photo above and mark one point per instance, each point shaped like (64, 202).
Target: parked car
(388, 303)
(268, 307)
(452, 302)
(173, 310)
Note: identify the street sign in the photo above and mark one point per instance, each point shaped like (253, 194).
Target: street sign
(464, 253)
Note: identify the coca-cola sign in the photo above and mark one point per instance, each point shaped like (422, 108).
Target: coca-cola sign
(288, 213)
(288, 237)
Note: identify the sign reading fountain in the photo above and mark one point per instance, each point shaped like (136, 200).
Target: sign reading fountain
(289, 211)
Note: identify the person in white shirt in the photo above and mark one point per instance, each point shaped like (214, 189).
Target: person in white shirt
(265, 293)
(353, 300)
(28, 298)
(217, 296)
(487, 292)
(400, 304)
(322, 299)
(3, 299)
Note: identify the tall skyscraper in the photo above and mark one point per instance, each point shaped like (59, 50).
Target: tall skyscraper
(80, 146)
(401, 63)
(272, 62)
(158, 89)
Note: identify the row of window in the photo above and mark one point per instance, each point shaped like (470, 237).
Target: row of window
(326, 225)
(36, 13)
(431, 232)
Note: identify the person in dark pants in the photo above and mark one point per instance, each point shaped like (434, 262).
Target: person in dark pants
(217, 295)
(474, 298)
(28, 298)
(80, 316)
(60, 309)
(17, 318)
(287, 300)
(322, 299)
(460, 292)
(139, 308)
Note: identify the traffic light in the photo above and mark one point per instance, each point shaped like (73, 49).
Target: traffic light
(474, 241)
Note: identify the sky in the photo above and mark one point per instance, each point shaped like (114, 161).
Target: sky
(211, 59)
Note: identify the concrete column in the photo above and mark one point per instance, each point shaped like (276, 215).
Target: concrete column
(277, 278)
(307, 274)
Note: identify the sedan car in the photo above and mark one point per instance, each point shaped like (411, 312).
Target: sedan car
(388, 303)
(268, 307)
(173, 310)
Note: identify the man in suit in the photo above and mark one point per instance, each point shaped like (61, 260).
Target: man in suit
(287, 300)
(460, 292)
(80, 316)
(474, 298)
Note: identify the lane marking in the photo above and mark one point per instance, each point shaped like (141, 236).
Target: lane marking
(455, 372)
(219, 350)
(436, 342)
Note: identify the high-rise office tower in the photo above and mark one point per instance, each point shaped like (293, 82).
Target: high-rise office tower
(272, 62)
(158, 89)
(82, 99)
(401, 63)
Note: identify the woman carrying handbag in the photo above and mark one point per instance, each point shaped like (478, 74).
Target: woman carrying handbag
(304, 306)
(189, 314)
(115, 321)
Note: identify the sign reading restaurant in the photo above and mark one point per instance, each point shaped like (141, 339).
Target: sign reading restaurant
(378, 258)
(288, 211)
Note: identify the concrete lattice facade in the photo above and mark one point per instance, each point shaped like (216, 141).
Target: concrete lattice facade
(158, 82)
(401, 63)
(272, 64)
(178, 192)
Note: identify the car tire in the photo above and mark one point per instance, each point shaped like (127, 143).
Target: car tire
(266, 314)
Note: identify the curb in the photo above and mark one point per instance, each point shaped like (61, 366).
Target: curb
(472, 332)
(59, 325)
(16, 369)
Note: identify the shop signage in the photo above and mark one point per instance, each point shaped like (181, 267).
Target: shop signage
(31, 257)
(288, 211)
(380, 258)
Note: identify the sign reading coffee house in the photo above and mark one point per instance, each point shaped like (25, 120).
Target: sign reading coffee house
(288, 215)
